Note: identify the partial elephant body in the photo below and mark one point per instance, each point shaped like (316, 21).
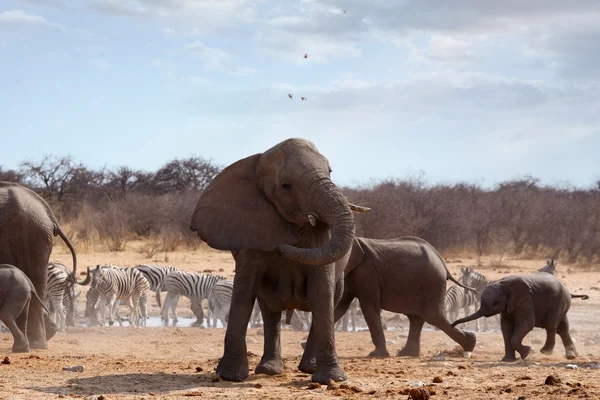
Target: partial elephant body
(525, 302)
(404, 275)
(16, 293)
(290, 230)
(27, 228)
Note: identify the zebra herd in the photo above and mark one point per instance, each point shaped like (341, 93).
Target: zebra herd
(111, 286)
(458, 298)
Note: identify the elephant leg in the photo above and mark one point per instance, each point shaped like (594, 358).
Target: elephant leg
(233, 366)
(550, 341)
(321, 297)
(308, 363)
(412, 348)
(271, 362)
(18, 327)
(563, 331)
(372, 314)
(466, 340)
(521, 329)
(507, 327)
(36, 330)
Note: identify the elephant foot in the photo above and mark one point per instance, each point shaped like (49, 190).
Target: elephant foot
(272, 366)
(324, 374)
(235, 370)
(469, 342)
(509, 358)
(525, 352)
(379, 353)
(23, 348)
(572, 354)
(409, 351)
(308, 365)
(39, 344)
(547, 351)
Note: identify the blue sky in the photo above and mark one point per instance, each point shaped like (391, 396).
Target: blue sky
(470, 90)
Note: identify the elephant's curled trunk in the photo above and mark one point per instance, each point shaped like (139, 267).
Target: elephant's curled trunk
(469, 318)
(332, 208)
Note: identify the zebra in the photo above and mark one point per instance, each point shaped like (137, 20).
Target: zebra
(127, 284)
(457, 298)
(351, 314)
(61, 299)
(194, 286)
(155, 274)
(478, 282)
(219, 302)
(549, 268)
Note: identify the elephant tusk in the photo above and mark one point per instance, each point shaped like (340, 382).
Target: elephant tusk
(312, 220)
(356, 208)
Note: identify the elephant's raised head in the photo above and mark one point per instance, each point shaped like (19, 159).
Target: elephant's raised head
(265, 201)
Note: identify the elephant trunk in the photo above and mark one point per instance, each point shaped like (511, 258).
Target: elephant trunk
(333, 209)
(471, 317)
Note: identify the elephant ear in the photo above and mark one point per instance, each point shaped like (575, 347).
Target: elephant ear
(519, 295)
(234, 214)
(357, 254)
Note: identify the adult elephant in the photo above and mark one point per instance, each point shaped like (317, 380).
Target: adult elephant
(404, 275)
(27, 228)
(290, 230)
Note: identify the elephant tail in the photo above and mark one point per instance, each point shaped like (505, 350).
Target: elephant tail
(35, 294)
(59, 232)
(450, 277)
(580, 296)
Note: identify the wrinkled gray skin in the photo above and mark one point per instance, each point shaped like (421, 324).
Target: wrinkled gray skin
(27, 228)
(290, 230)
(16, 292)
(525, 302)
(404, 275)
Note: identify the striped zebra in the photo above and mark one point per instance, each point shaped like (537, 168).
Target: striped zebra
(61, 299)
(194, 286)
(549, 268)
(478, 282)
(127, 284)
(219, 302)
(351, 314)
(458, 298)
(155, 274)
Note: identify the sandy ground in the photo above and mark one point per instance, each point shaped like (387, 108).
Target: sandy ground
(179, 362)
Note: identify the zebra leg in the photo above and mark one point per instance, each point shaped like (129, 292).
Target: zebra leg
(164, 311)
(412, 348)
(143, 304)
(112, 304)
(353, 312)
(173, 306)
(271, 362)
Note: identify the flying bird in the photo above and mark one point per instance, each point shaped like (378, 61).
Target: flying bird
(305, 55)
(344, 10)
(303, 98)
(289, 95)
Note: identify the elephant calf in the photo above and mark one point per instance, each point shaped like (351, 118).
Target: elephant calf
(16, 292)
(404, 275)
(525, 302)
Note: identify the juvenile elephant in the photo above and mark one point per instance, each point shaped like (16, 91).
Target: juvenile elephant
(525, 302)
(16, 292)
(290, 230)
(27, 229)
(404, 275)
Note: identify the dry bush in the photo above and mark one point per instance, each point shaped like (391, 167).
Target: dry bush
(150, 249)
(112, 226)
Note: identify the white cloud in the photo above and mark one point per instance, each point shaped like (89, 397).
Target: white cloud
(197, 80)
(243, 71)
(22, 18)
(211, 57)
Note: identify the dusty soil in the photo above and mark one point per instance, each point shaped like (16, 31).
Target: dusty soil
(179, 362)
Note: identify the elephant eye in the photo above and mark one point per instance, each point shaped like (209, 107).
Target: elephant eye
(286, 186)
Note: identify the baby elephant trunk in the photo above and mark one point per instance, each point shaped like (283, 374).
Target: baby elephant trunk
(471, 317)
